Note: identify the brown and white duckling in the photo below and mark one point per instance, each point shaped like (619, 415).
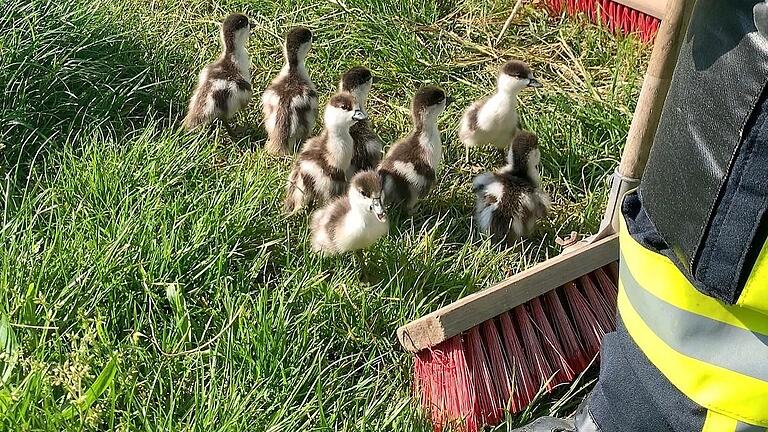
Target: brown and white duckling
(358, 81)
(510, 200)
(493, 120)
(224, 86)
(319, 172)
(410, 166)
(351, 222)
(290, 102)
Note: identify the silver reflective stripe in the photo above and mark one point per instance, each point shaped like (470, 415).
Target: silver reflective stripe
(695, 336)
(743, 427)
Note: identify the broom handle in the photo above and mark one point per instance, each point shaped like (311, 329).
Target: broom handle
(654, 91)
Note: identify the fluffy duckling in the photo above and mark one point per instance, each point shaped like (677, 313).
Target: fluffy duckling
(408, 170)
(351, 222)
(510, 200)
(358, 81)
(224, 86)
(493, 120)
(319, 173)
(290, 102)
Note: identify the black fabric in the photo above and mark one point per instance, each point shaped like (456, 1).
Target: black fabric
(719, 76)
(644, 232)
(632, 395)
(737, 231)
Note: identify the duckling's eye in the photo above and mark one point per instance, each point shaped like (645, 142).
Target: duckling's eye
(363, 193)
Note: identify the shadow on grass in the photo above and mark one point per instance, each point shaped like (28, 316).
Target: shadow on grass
(67, 73)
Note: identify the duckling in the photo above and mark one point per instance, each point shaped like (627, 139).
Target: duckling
(290, 102)
(351, 222)
(224, 86)
(409, 168)
(358, 81)
(493, 120)
(319, 172)
(510, 200)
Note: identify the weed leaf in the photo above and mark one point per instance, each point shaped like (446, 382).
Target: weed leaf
(103, 381)
(10, 348)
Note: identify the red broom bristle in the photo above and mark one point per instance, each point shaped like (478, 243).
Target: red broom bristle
(553, 350)
(569, 340)
(488, 407)
(469, 380)
(499, 368)
(524, 385)
(534, 349)
(597, 302)
(615, 16)
(446, 391)
(584, 319)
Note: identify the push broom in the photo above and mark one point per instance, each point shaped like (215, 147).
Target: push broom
(639, 17)
(491, 352)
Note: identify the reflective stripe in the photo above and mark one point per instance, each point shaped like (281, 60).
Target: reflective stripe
(655, 270)
(743, 427)
(738, 349)
(718, 423)
(663, 333)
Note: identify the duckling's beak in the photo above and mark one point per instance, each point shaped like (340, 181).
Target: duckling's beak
(375, 79)
(533, 82)
(359, 115)
(448, 101)
(378, 210)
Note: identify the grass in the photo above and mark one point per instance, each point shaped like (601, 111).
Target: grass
(148, 280)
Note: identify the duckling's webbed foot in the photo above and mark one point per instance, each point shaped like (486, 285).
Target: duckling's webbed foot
(234, 134)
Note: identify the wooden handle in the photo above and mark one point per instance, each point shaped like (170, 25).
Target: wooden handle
(654, 8)
(472, 310)
(655, 87)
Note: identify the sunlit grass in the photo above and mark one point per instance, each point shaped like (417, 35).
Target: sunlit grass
(125, 243)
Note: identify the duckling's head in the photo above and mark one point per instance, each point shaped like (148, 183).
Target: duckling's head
(524, 155)
(365, 193)
(357, 81)
(298, 41)
(428, 103)
(235, 31)
(514, 76)
(342, 112)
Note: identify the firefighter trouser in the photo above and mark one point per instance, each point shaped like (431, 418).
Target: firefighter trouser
(691, 348)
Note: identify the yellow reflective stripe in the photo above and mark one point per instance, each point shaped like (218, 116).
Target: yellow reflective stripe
(658, 274)
(718, 423)
(712, 387)
(692, 335)
(755, 294)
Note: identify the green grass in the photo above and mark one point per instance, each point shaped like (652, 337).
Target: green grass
(148, 280)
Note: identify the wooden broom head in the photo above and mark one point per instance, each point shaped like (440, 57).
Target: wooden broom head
(472, 310)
